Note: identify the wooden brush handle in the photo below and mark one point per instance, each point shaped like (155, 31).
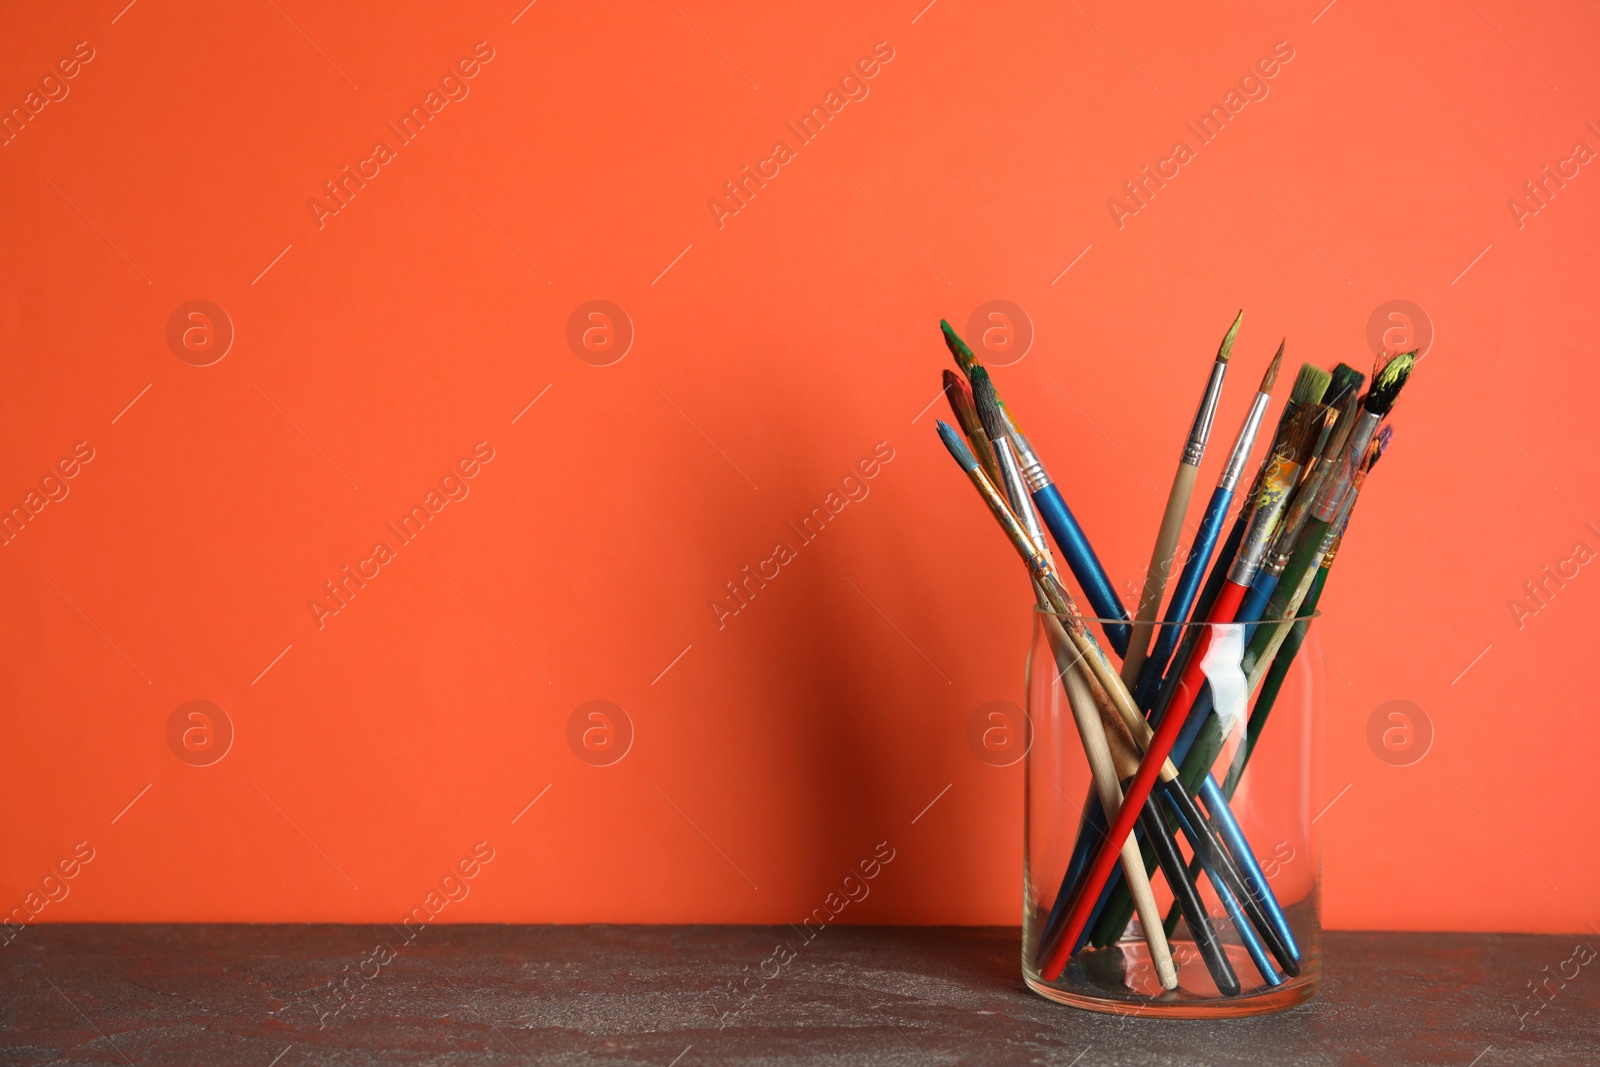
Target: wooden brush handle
(1088, 714)
(1155, 579)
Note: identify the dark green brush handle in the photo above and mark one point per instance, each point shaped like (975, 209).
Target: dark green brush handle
(1307, 554)
(1274, 681)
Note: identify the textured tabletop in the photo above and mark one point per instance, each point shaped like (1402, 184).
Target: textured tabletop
(268, 996)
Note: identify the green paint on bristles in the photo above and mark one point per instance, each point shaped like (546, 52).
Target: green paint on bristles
(1345, 380)
(1387, 380)
(1310, 385)
(958, 348)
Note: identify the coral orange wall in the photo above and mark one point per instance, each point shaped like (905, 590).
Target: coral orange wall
(381, 351)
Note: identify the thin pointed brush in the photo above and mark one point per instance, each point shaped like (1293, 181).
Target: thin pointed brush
(1063, 525)
(1205, 539)
(959, 393)
(1194, 449)
(1057, 602)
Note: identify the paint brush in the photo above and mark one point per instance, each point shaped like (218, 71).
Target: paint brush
(1194, 449)
(1202, 736)
(1063, 525)
(1310, 385)
(959, 393)
(1330, 506)
(1205, 539)
(1071, 661)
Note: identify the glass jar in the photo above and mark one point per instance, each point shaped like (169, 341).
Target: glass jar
(1235, 827)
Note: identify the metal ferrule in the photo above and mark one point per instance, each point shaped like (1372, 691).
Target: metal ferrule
(1295, 521)
(1246, 441)
(1016, 492)
(1038, 563)
(1195, 448)
(1333, 490)
(1034, 476)
(1061, 603)
(1276, 485)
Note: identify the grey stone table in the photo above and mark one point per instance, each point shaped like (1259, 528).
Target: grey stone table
(282, 996)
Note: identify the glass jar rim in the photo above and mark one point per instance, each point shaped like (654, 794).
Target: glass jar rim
(1316, 613)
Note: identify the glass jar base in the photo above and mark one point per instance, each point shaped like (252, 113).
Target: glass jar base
(1119, 980)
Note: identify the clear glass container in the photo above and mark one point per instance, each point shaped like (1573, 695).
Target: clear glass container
(1250, 857)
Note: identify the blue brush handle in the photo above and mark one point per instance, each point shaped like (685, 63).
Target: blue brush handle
(1247, 935)
(1085, 565)
(1184, 593)
(1219, 571)
(1254, 603)
(1254, 879)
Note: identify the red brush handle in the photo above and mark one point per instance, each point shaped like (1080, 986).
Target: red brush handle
(1190, 682)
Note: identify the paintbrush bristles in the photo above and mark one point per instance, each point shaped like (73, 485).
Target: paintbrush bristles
(1269, 379)
(1340, 433)
(1387, 381)
(1310, 385)
(1225, 350)
(989, 413)
(1343, 380)
(958, 448)
(959, 394)
(958, 348)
